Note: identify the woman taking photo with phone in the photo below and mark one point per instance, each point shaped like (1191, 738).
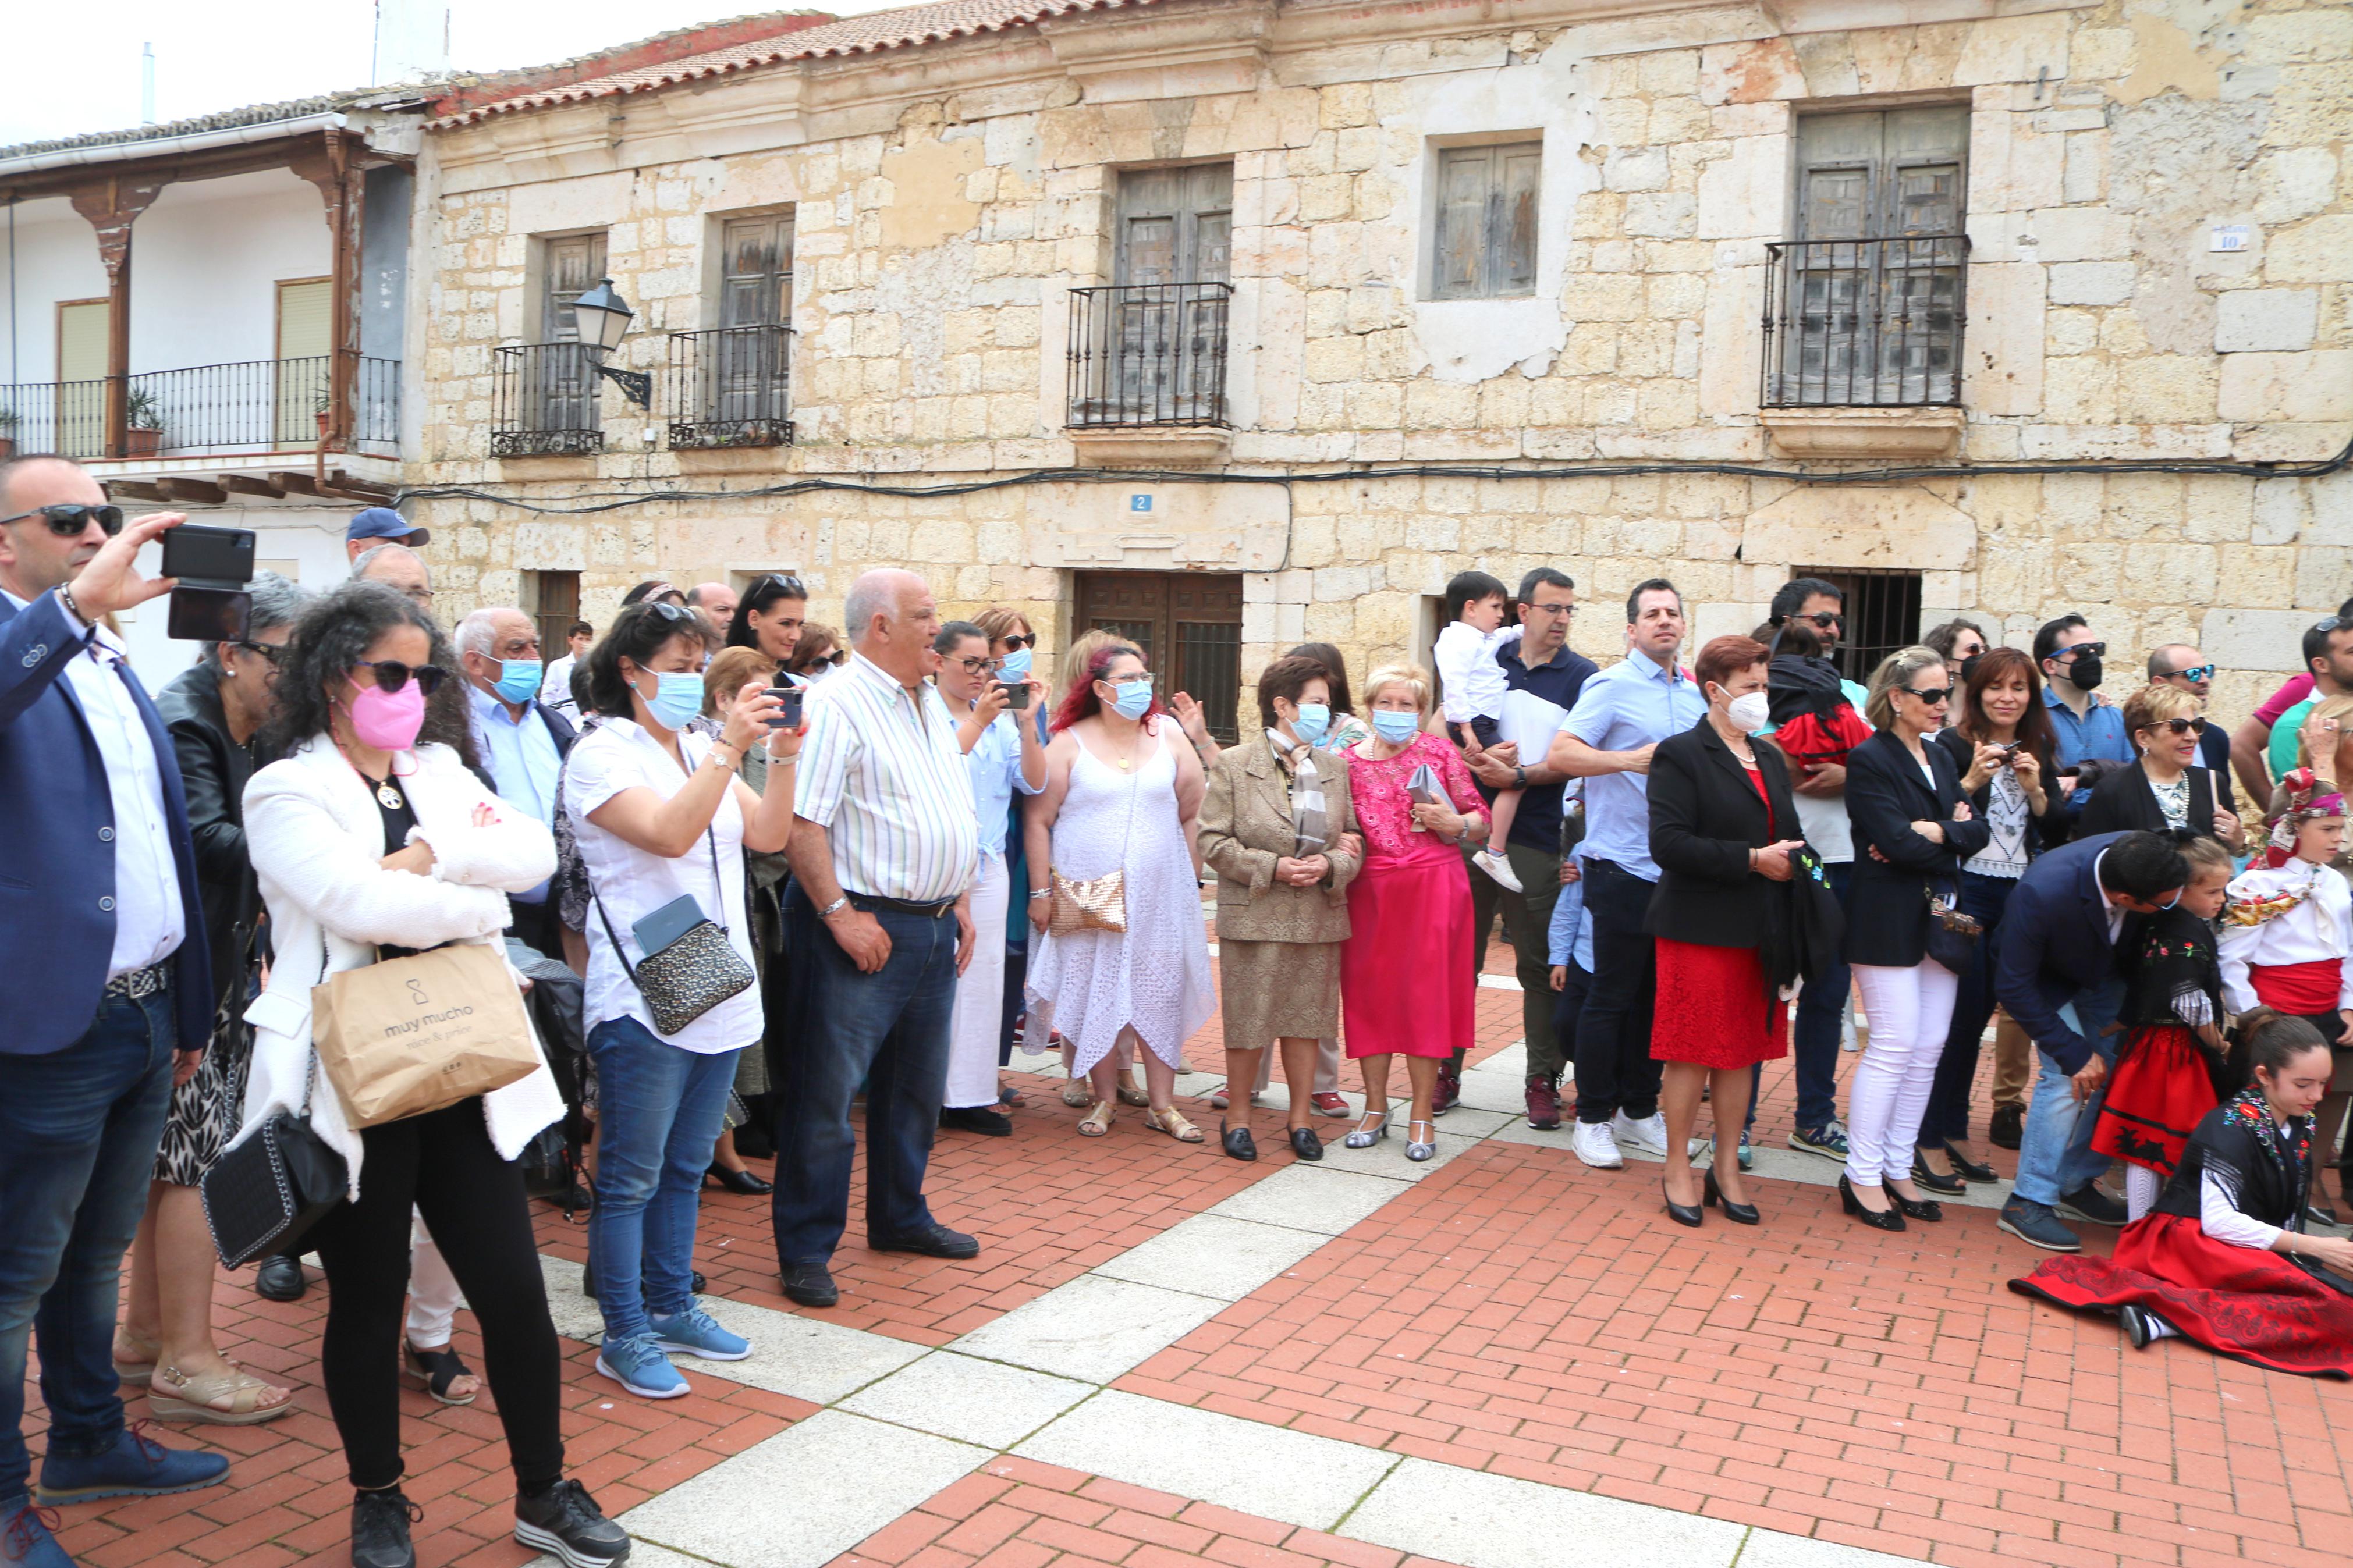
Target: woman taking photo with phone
(663, 822)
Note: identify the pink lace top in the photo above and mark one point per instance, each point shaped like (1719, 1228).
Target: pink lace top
(1384, 810)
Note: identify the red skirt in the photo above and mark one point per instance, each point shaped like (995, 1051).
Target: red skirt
(2237, 1301)
(2160, 1088)
(1713, 1009)
(1407, 987)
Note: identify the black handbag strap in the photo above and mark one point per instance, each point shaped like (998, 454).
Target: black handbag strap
(718, 890)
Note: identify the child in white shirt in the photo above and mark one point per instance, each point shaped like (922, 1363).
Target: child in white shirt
(1471, 684)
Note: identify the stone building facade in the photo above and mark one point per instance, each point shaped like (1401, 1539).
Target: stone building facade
(2149, 330)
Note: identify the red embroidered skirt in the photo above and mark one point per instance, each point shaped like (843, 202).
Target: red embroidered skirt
(1713, 1009)
(2160, 1090)
(2237, 1301)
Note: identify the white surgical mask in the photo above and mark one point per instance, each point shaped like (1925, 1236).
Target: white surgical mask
(1750, 711)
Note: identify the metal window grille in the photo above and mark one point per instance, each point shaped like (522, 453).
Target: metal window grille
(1882, 614)
(1149, 353)
(544, 401)
(1865, 322)
(729, 386)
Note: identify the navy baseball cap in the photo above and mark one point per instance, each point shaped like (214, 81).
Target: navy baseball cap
(383, 523)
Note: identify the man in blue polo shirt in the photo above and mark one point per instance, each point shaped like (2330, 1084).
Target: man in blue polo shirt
(2070, 658)
(1619, 721)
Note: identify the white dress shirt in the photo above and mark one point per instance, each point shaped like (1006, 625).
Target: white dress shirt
(522, 761)
(882, 772)
(556, 686)
(995, 766)
(2316, 930)
(150, 921)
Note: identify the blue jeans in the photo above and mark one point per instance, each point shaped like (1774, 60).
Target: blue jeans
(659, 1110)
(890, 1030)
(1814, 1034)
(77, 1134)
(1984, 898)
(2055, 1156)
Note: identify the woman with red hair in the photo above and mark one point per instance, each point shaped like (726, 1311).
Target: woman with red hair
(1122, 958)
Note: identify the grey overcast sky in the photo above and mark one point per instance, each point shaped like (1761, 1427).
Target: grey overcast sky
(78, 63)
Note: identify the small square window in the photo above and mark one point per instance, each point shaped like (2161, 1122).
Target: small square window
(1485, 234)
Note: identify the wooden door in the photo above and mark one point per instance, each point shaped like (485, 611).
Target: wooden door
(567, 376)
(1190, 626)
(83, 340)
(303, 369)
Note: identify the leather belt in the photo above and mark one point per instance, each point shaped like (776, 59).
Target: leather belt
(929, 911)
(136, 982)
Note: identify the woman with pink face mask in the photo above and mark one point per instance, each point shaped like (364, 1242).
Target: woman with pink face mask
(373, 838)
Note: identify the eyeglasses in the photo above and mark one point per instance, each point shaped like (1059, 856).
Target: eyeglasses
(1935, 697)
(1129, 679)
(1825, 619)
(2082, 650)
(1015, 641)
(2195, 672)
(68, 522)
(979, 666)
(391, 675)
(2181, 726)
(1563, 611)
(276, 653)
(418, 596)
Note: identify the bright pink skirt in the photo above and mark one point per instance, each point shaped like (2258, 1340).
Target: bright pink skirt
(1405, 984)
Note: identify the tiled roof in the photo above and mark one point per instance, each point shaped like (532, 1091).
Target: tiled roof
(226, 120)
(893, 29)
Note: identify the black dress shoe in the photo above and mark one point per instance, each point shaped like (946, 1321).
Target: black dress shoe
(977, 1119)
(1970, 1169)
(937, 1242)
(380, 1521)
(1946, 1183)
(1236, 1142)
(1682, 1213)
(1738, 1213)
(747, 1183)
(1916, 1209)
(1881, 1219)
(810, 1284)
(1305, 1145)
(281, 1280)
(2008, 1129)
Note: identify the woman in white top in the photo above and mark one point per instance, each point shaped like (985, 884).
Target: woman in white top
(660, 814)
(373, 840)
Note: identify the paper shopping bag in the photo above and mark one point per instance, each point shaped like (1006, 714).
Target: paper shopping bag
(411, 1035)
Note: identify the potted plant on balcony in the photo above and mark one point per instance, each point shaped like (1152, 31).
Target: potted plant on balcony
(321, 408)
(7, 431)
(143, 434)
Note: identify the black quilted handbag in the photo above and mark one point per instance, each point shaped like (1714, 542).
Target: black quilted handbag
(272, 1188)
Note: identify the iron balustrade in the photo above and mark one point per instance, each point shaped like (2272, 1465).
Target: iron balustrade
(729, 387)
(1149, 353)
(1865, 322)
(545, 401)
(250, 405)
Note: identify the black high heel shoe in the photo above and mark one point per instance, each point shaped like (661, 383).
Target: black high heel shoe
(1886, 1219)
(1969, 1170)
(748, 1182)
(1236, 1142)
(1738, 1213)
(1682, 1213)
(1944, 1183)
(1916, 1209)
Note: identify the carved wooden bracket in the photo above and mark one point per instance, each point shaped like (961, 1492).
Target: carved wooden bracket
(111, 209)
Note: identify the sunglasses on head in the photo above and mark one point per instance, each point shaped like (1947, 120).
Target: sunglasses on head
(2181, 726)
(391, 675)
(2333, 623)
(668, 611)
(68, 522)
(791, 587)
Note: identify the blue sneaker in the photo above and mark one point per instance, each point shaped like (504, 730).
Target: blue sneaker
(1747, 1153)
(696, 1332)
(137, 1466)
(24, 1538)
(638, 1364)
(1829, 1141)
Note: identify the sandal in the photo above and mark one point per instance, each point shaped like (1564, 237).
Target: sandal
(1172, 1122)
(435, 1370)
(231, 1398)
(136, 1373)
(1006, 1094)
(1075, 1094)
(1096, 1122)
(1131, 1095)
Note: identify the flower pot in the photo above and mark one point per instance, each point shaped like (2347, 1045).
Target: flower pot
(321, 417)
(139, 443)
(7, 448)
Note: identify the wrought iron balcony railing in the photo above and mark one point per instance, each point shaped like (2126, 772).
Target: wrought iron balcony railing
(729, 387)
(545, 401)
(271, 405)
(1865, 322)
(1149, 353)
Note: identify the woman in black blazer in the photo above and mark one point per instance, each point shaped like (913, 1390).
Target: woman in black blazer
(2163, 788)
(1912, 830)
(1723, 823)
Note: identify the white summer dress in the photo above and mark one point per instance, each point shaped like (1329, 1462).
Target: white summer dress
(1154, 977)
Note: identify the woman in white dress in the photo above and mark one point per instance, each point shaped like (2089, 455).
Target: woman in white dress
(1122, 794)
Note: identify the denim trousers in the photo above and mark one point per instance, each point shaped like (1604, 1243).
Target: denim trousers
(1984, 898)
(1814, 1032)
(2055, 1156)
(658, 1111)
(889, 1030)
(1614, 1070)
(77, 1134)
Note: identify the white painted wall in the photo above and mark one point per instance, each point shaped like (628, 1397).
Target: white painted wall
(205, 262)
(309, 537)
(56, 258)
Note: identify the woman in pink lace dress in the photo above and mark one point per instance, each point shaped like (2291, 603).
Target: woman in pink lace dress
(1405, 971)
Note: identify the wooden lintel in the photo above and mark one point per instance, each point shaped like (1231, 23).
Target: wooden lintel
(134, 490)
(250, 485)
(176, 487)
(294, 484)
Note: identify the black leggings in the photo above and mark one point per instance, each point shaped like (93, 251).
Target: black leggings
(473, 1203)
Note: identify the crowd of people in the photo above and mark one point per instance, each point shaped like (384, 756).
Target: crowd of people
(780, 875)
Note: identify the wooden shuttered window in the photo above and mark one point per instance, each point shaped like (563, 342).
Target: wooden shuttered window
(1486, 228)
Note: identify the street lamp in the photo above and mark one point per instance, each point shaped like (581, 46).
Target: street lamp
(601, 319)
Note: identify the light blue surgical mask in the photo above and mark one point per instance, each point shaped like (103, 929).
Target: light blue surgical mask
(1314, 718)
(519, 678)
(1016, 666)
(1135, 699)
(1396, 728)
(676, 701)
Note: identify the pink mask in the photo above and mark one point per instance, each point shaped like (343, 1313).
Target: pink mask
(389, 721)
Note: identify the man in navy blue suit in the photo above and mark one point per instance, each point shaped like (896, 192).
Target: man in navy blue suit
(106, 994)
(2058, 956)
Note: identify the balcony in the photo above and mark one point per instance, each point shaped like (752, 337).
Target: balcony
(258, 405)
(729, 387)
(1862, 346)
(544, 402)
(1147, 372)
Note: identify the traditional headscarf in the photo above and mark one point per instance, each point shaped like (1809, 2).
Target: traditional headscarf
(2305, 804)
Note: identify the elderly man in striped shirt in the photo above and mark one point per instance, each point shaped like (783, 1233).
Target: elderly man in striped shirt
(884, 851)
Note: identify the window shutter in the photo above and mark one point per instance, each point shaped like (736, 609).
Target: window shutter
(1461, 221)
(1513, 255)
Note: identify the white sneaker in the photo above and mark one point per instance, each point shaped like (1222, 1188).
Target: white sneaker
(1496, 867)
(1650, 1133)
(1595, 1145)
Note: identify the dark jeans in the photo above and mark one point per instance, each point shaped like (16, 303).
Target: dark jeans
(1814, 1035)
(1614, 1070)
(1948, 1099)
(1568, 1007)
(473, 1202)
(1017, 975)
(888, 1030)
(659, 1110)
(1527, 925)
(77, 1134)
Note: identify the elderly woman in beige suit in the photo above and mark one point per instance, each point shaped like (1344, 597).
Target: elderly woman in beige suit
(1278, 827)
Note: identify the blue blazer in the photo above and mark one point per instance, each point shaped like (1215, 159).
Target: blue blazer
(57, 872)
(2052, 943)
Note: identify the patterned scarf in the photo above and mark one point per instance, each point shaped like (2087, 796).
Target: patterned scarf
(2285, 1147)
(1308, 818)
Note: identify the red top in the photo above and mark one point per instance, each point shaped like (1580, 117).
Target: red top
(1757, 777)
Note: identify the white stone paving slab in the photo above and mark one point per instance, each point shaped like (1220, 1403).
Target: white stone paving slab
(576, 1316)
(1387, 1158)
(806, 1358)
(1309, 1197)
(804, 1497)
(1247, 1466)
(1210, 1255)
(1094, 1327)
(1773, 1549)
(973, 1401)
(1496, 1522)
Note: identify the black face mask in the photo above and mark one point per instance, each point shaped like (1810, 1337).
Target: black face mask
(1969, 666)
(2085, 671)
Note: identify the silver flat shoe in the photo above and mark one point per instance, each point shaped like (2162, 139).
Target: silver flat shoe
(1364, 1137)
(1419, 1149)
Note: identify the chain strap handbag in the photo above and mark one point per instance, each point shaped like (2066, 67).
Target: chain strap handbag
(694, 972)
(1098, 903)
(269, 1190)
(1952, 935)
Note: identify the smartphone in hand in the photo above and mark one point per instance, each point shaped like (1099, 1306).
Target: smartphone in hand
(790, 718)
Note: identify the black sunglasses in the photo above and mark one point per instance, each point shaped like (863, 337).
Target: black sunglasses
(276, 653)
(661, 607)
(2083, 650)
(791, 587)
(2181, 726)
(68, 522)
(1934, 696)
(391, 675)
(1015, 641)
(1825, 619)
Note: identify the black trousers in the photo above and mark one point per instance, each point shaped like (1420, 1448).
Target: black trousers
(473, 1203)
(1614, 1070)
(538, 927)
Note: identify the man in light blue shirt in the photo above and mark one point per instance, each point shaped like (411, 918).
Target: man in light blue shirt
(1620, 718)
(2086, 728)
(522, 741)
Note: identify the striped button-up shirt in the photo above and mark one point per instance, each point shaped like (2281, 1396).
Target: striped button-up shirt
(882, 772)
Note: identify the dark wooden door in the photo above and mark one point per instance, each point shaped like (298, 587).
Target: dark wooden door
(1190, 626)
